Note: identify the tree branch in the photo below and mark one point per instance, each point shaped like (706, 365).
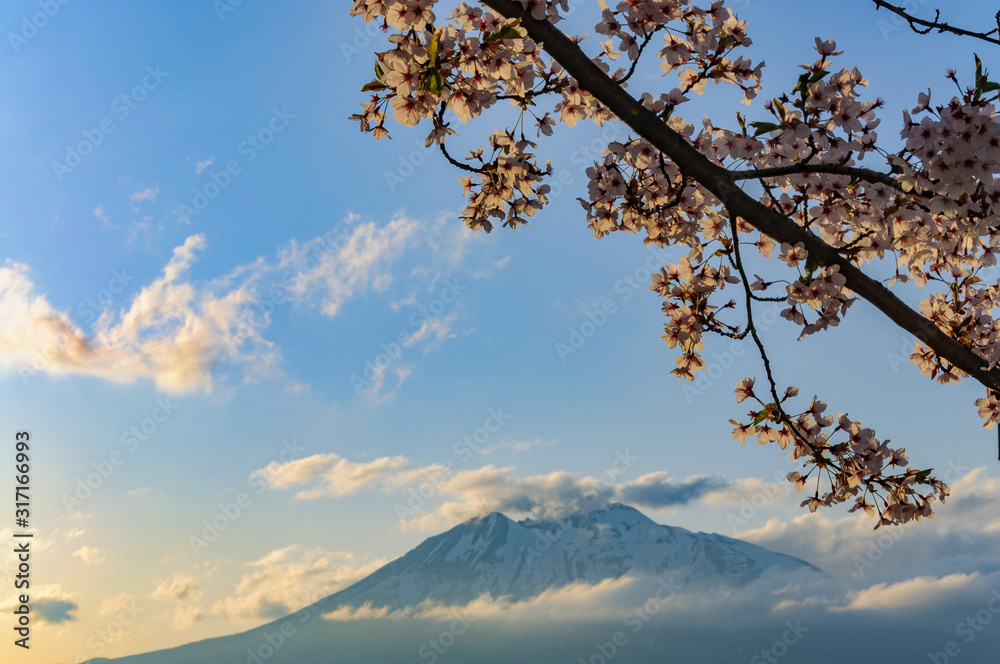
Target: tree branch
(720, 182)
(835, 169)
(938, 25)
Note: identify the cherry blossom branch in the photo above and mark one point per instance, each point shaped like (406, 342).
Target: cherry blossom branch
(635, 63)
(721, 183)
(936, 24)
(834, 169)
(738, 262)
(454, 162)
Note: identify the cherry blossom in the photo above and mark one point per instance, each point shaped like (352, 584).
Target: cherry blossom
(833, 200)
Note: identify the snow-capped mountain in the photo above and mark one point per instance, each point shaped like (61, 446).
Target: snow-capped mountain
(501, 557)
(497, 556)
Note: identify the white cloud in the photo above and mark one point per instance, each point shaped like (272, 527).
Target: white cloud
(281, 584)
(89, 555)
(335, 475)
(912, 593)
(103, 217)
(178, 589)
(582, 601)
(333, 270)
(186, 616)
(518, 445)
(756, 491)
(177, 331)
(433, 332)
(491, 489)
(112, 605)
(964, 537)
(373, 389)
(474, 492)
(173, 332)
(148, 194)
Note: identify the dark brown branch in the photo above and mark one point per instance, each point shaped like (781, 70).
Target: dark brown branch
(834, 169)
(937, 24)
(635, 63)
(720, 182)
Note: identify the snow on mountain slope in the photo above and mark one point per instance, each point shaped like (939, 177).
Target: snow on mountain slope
(520, 559)
(503, 558)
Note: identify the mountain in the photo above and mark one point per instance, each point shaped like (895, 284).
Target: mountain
(496, 556)
(501, 557)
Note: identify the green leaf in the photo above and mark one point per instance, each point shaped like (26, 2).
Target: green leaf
(506, 32)
(742, 121)
(802, 83)
(764, 127)
(433, 81)
(374, 86)
(379, 72)
(433, 49)
(781, 109)
(811, 266)
(818, 76)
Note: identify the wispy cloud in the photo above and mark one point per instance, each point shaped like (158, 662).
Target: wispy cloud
(360, 258)
(464, 494)
(334, 475)
(89, 555)
(173, 332)
(282, 582)
(177, 329)
(147, 194)
(912, 593)
(104, 219)
(178, 589)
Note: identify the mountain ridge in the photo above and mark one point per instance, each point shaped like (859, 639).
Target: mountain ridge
(496, 556)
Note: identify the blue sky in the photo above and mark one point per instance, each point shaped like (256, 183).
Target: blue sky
(219, 393)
